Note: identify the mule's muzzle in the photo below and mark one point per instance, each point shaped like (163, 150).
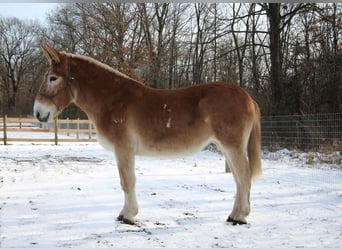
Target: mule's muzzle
(41, 117)
(42, 112)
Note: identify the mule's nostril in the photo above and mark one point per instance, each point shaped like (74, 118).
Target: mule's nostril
(42, 118)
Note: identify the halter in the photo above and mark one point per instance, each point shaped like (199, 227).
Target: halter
(69, 78)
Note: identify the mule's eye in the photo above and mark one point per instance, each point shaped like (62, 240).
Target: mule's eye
(52, 78)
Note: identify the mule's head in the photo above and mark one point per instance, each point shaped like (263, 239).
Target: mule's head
(55, 92)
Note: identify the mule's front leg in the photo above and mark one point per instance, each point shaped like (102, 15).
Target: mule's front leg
(130, 209)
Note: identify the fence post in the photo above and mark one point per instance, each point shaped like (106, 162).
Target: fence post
(227, 167)
(56, 130)
(68, 126)
(78, 129)
(89, 127)
(5, 129)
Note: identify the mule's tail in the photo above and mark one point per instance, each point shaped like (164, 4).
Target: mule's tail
(254, 145)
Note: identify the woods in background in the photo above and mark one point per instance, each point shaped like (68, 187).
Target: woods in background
(288, 56)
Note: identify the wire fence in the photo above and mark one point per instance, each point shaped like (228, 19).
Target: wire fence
(304, 132)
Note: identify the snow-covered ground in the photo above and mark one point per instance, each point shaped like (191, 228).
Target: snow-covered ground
(69, 196)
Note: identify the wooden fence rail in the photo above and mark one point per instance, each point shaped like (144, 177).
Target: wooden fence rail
(61, 130)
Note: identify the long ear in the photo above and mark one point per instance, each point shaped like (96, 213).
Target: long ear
(50, 53)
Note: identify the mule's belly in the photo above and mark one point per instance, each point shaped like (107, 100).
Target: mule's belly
(172, 147)
(172, 136)
(169, 152)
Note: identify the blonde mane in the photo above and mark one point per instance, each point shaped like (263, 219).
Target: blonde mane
(99, 64)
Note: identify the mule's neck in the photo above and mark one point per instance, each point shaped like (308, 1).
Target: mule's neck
(97, 87)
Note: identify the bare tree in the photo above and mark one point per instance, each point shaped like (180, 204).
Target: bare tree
(19, 61)
(202, 35)
(279, 17)
(257, 46)
(175, 25)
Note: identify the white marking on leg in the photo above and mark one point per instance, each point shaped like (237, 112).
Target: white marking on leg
(131, 208)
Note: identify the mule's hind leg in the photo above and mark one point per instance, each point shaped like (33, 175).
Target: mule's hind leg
(242, 174)
(125, 161)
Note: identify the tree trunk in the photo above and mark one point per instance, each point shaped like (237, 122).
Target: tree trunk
(275, 51)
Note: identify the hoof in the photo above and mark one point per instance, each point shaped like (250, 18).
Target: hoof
(124, 220)
(127, 221)
(236, 222)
